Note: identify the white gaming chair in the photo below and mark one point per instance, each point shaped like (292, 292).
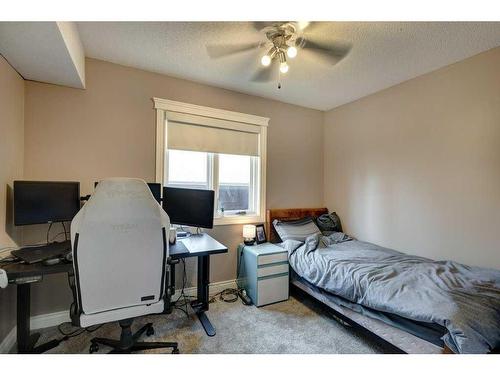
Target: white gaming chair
(120, 250)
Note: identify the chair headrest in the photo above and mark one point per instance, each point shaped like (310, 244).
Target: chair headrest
(125, 197)
(121, 188)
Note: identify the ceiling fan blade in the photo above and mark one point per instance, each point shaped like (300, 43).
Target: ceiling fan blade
(333, 51)
(266, 73)
(216, 51)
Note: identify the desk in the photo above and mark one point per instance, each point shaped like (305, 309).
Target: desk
(23, 275)
(201, 246)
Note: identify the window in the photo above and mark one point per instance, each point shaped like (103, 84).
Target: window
(189, 169)
(233, 177)
(237, 185)
(206, 148)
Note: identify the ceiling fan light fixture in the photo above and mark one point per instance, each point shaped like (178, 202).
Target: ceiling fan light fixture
(283, 41)
(291, 52)
(283, 67)
(266, 60)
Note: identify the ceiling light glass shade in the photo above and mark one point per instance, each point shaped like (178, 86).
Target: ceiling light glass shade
(303, 24)
(291, 52)
(283, 67)
(266, 60)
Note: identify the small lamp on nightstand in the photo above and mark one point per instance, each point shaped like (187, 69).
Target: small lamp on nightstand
(249, 234)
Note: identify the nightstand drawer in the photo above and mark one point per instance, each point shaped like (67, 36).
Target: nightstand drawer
(273, 289)
(272, 270)
(273, 258)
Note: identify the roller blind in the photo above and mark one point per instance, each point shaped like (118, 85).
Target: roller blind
(196, 133)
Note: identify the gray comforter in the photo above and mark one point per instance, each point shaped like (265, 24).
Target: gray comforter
(465, 300)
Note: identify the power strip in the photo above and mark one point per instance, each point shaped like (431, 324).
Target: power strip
(244, 297)
(4, 280)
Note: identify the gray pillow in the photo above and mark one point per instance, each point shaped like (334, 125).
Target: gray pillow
(297, 230)
(329, 223)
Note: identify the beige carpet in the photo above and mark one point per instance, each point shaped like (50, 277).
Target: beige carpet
(294, 326)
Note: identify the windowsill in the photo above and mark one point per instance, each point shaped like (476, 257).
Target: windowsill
(237, 219)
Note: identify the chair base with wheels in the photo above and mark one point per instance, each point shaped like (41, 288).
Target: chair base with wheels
(129, 343)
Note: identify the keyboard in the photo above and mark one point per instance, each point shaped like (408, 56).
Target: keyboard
(37, 254)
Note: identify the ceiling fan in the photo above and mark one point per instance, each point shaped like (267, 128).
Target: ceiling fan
(283, 41)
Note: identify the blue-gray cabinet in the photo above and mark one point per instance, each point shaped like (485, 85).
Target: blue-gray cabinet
(263, 273)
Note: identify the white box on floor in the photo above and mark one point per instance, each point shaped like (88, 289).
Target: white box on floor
(263, 273)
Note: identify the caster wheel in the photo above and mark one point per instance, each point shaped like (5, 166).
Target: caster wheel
(94, 348)
(175, 351)
(150, 331)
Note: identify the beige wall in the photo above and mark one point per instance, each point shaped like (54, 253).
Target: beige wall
(109, 130)
(416, 167)
(11, 168)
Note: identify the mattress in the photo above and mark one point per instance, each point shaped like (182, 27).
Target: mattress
(406, 335)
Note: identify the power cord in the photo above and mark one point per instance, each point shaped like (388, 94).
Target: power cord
(66, 335)
(11, 259)
(229, 295)
(8, 260)
(65, 232)
(233, 293)
(47, 240)
(183, 306)
(57, 235)
(48, 232)
(76, 332)
(8, 249)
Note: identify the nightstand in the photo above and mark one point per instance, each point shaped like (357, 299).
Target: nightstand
(263, 273)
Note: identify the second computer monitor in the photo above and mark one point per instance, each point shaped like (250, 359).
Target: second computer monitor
(191, 207)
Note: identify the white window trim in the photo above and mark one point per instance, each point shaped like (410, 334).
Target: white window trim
(165, 108)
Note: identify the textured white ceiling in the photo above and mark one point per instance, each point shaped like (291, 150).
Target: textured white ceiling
(383, 54)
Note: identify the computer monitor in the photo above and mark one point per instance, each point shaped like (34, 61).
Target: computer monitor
(191, 207)
(155, 188)
(39, 202)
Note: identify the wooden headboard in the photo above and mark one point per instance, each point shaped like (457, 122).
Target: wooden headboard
(288, 214)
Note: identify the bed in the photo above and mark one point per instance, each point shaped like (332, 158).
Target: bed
(391, 325)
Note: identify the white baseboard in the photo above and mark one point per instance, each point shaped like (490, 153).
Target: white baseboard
(214, 288)
(49, 320)
(36, 322)
(56, 318)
